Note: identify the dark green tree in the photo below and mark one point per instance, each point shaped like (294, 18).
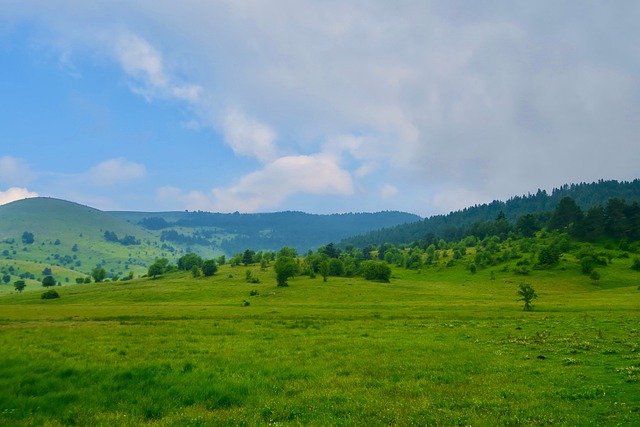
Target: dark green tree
(616, 223)
(99, 274)
(527, 294)
(376, 270)
(110, 236)
(19, 285)
(50, 294)
(566, 213)
(48, 281)
(158, 267)
(188, 261)
(285, 268)
(287, 252)
(28, 238)
(330, 250)
(548, 257)
(527, 225)
(323, 269)
(6, 278)
(248, 257)
(336, 267)
(209, 267)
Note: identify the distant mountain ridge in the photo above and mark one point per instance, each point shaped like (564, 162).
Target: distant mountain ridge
(447, 226)
(236, 232)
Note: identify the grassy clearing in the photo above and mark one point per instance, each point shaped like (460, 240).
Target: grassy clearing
(439, 347)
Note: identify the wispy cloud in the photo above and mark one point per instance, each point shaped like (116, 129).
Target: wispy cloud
(145, 65)
(115, 171)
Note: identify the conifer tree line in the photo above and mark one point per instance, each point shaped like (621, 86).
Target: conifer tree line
(602, 204)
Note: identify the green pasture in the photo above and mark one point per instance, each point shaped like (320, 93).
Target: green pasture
(440, 346)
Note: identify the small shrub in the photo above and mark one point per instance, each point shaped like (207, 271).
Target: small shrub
(50, 294)
(636, 264)
(254, 293)
(246, 303)
(595, 275)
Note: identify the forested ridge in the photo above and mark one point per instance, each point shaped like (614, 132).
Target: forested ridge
(456, 225)
(235, 232)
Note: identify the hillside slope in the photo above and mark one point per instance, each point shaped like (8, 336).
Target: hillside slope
(41, 233)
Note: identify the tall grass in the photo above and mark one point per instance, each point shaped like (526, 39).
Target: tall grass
(436, 347)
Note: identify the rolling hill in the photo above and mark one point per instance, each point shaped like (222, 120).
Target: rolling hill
(72, 240)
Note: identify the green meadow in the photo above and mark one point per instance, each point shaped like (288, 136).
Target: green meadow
(440, 346)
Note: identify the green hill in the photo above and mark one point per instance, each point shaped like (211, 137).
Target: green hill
(72, 240)
(69, 238)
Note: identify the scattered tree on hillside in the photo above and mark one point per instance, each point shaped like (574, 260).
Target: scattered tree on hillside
(158, 267)
(50, 294)
(110, 236)
(27, 238)
(19, 285)
(248, 257)
(6, 278)
(48, 281)
(548, 257)
(129, 240)
(527, 294)
(209, 267)
(188, 261)
(99, 274)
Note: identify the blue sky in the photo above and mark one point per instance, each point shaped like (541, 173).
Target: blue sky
(318, 106)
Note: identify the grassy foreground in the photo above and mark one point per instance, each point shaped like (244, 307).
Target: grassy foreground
(436, 348)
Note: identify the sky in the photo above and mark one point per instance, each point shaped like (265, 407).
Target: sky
(316, 106)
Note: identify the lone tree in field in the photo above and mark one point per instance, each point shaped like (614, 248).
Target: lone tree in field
(527, 294)
(19, 285)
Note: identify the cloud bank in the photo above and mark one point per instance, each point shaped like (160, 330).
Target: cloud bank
(431, 105)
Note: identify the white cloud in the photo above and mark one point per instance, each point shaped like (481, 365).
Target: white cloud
(449, 100)
(145, 64)
(115, 171)
(267, 188)
(15, 193)
(14, 171)
(248, 137)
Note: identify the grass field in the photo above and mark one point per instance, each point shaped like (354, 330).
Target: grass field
(440, 347)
